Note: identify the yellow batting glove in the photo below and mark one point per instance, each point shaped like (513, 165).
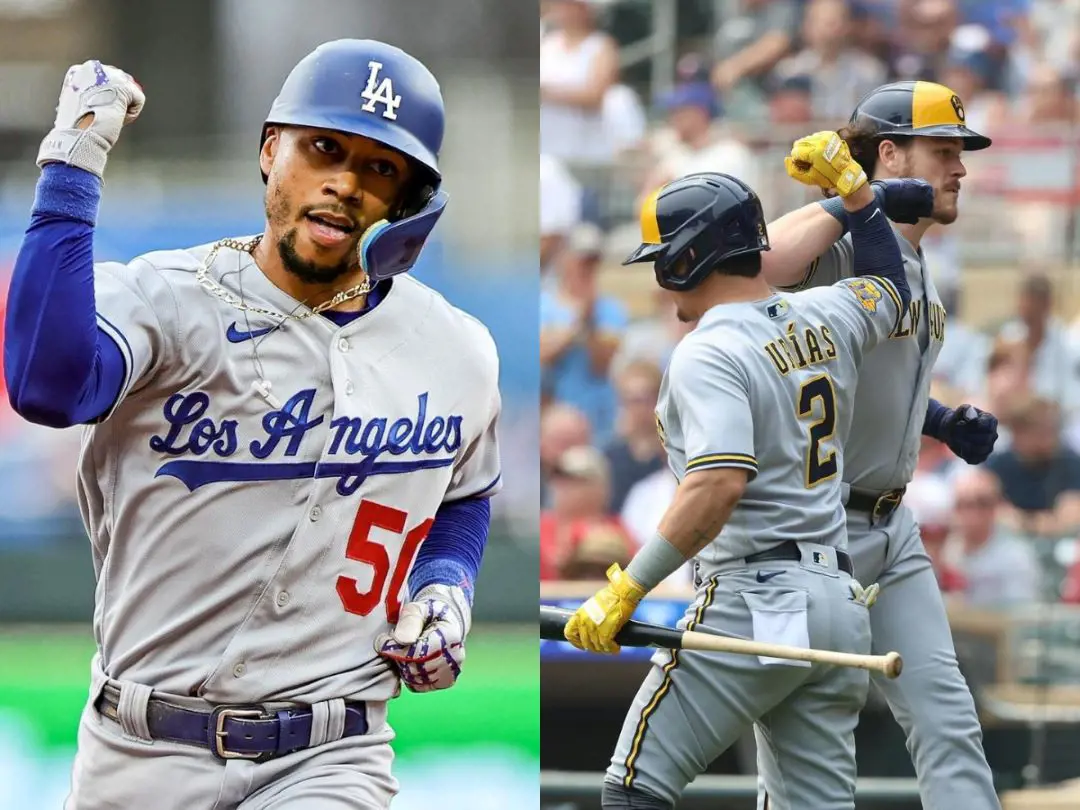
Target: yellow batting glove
(595, 624)
(823, 159)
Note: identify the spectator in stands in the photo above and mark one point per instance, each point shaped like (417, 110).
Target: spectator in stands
(580, 491)
(1040, 477)
(925, 34)
(791, 102)
(691, 143)
(1052, 362)
(560, 207)
(1007, 375)
(579, 64)
(580, 331)
(561, 427)
(961, 365)
(932, 506)
(1048, 98)
(636, 451)
(1000, 570)
(654, 337)
(748, 46)
(841, 74)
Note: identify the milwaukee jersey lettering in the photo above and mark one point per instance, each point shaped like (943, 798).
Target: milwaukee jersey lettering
(893, 391)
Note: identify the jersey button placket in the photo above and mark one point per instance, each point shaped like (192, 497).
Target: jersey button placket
(239, 670)
(283, 599)
(315, 513)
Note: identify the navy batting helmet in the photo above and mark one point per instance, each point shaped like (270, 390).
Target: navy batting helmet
(917, 108)
(693, 224)
(369, 88)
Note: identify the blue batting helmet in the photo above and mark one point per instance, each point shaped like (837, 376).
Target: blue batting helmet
(369, 88)
(692, 225)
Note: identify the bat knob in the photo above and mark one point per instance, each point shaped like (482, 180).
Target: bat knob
(893, 665)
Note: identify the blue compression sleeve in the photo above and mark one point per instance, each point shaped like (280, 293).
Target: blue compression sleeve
(454, 547)
(935, 416)
(876, 250)
(60, 368)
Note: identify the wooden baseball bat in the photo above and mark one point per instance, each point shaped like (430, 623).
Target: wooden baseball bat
(642, 634)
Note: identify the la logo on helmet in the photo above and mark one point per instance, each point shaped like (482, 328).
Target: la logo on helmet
(380, 91)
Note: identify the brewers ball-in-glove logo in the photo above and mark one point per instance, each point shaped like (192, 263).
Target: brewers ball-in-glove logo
(958, 106)
(867, 292)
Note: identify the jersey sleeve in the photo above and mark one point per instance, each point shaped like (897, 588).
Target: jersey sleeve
(478, 467)
(136, 310)
(834, 264)
(712, 395)
(871, 306)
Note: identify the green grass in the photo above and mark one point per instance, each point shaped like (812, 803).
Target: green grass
(44, 680)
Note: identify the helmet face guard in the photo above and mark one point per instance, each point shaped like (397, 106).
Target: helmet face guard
(925, 109)
(695, 223)
(369, 88)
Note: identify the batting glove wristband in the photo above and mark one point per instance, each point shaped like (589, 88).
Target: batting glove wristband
(428, 642)
(114, 99)
(970, 433)
(905, 199)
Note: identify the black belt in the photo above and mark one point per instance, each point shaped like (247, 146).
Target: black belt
(789, 550)
(236, 732)
(878, 505)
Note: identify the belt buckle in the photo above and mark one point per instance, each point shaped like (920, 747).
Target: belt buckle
(886, 504)
(220, 716)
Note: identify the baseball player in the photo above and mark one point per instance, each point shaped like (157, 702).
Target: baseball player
(288, 454)
(752, 413)
(907, 129)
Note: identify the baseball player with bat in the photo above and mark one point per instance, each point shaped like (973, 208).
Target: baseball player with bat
(907, 129)
(753, 411)
(290, 445)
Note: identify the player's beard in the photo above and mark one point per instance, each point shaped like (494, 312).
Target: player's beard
(311, 272)
(278, 209)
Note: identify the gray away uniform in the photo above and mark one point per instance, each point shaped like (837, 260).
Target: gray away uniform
(768, 387)
(931, 700)
(250, 553)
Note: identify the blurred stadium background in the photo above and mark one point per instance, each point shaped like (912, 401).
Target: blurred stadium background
(637, 92)
(185, 174)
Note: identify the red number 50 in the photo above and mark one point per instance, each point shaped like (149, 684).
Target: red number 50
(361, 548)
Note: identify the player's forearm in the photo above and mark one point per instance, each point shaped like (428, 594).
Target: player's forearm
(874, 246)
(454, 548)
(60, 370)
(795, 240)
(699, 510)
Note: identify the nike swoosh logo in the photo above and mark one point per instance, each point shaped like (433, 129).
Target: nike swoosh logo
(236, 336)
(876, 212)
(763, 576)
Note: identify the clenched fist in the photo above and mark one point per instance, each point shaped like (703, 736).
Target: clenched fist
(823, 159)
(110, 96)
(595, 624)
(427, 645)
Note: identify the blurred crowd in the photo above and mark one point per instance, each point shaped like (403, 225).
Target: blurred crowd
(766, 72)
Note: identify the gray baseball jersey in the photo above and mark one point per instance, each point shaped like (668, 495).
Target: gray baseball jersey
(891, 398)
(249, 549)
(769, 387)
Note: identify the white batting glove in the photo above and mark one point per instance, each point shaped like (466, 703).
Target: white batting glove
(428, 642)
(111, 96)
(864, 596)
